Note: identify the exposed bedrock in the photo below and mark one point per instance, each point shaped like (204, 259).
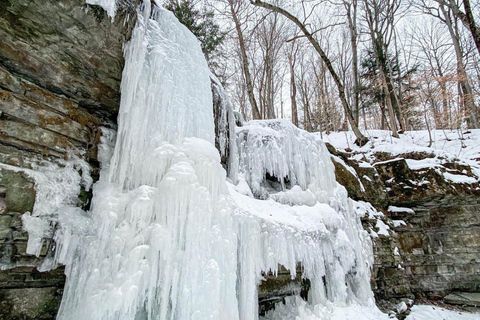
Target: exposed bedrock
(60, 69)
(433, 247)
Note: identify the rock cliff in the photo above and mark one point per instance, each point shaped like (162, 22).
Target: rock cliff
(60, 69)
(433, 245)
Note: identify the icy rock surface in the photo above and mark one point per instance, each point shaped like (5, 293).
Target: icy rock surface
(168, 238)
(57, 187)
(110, 6)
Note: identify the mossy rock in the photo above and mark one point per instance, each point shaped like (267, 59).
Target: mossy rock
(19, 191)
(29, 303)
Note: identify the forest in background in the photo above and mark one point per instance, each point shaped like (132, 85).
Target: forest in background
(331, 65)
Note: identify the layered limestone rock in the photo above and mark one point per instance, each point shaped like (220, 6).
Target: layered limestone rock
(433, 246)
(60, 69)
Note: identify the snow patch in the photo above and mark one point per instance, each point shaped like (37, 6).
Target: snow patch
(399, 209)
(423, 312)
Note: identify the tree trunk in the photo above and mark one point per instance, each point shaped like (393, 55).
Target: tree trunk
(293, 90)
(352, 26)
(466, 89)
(472, 25)
(246, 71)
(381, 49)
(361, 139)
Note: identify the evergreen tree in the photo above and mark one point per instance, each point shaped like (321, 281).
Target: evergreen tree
(399, 80)
(201, 24)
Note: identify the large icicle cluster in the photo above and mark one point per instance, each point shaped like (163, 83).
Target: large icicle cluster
(313, 222)
(164, 245)
(279, 149)
(168, 238)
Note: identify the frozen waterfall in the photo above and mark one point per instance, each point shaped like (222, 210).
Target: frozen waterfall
(168, 238)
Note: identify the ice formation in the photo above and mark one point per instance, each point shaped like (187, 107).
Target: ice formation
(225, 128)
(288, 154)
(305, 210)
(58, 186)
(168, 238)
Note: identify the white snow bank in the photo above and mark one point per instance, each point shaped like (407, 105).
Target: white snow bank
(399, 209)
(436, 313)
(296, 309)
(447, 146)
(459, 178)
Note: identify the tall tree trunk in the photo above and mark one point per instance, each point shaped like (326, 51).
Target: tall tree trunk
(293, 89)
(466, 18)
(380, 52)
(466, 89)
(361, 139)
(352, 27)
(472, 25)
(245, 67)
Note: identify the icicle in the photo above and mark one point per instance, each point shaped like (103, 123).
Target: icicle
(225, 123)
(278, 148)
(165, 242)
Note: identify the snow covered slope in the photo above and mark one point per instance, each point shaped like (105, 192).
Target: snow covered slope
(446, 146)
(436, 313)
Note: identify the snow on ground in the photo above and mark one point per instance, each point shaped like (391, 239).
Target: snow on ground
(446, 146)
(297, 309)
(423, 312)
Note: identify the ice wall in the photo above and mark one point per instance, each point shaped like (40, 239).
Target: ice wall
(307, 217)
(164, 245)
(168, 238)
(283, 151)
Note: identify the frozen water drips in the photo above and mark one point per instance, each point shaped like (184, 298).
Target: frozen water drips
(162, 74)
(326, 234)
(290, 155)
(57, 187)
(167, 238)
(225, 136)
(164, 244)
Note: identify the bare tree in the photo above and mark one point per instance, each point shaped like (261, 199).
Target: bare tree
(270, 34)
(235, 6)
(465, 16)
(435, 51)
(351, 10)
(292, 59)
(446, 15)
(361, 139)
(380, 19)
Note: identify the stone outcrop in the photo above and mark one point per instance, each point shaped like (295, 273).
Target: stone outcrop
(60, 68)
(433, 248)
